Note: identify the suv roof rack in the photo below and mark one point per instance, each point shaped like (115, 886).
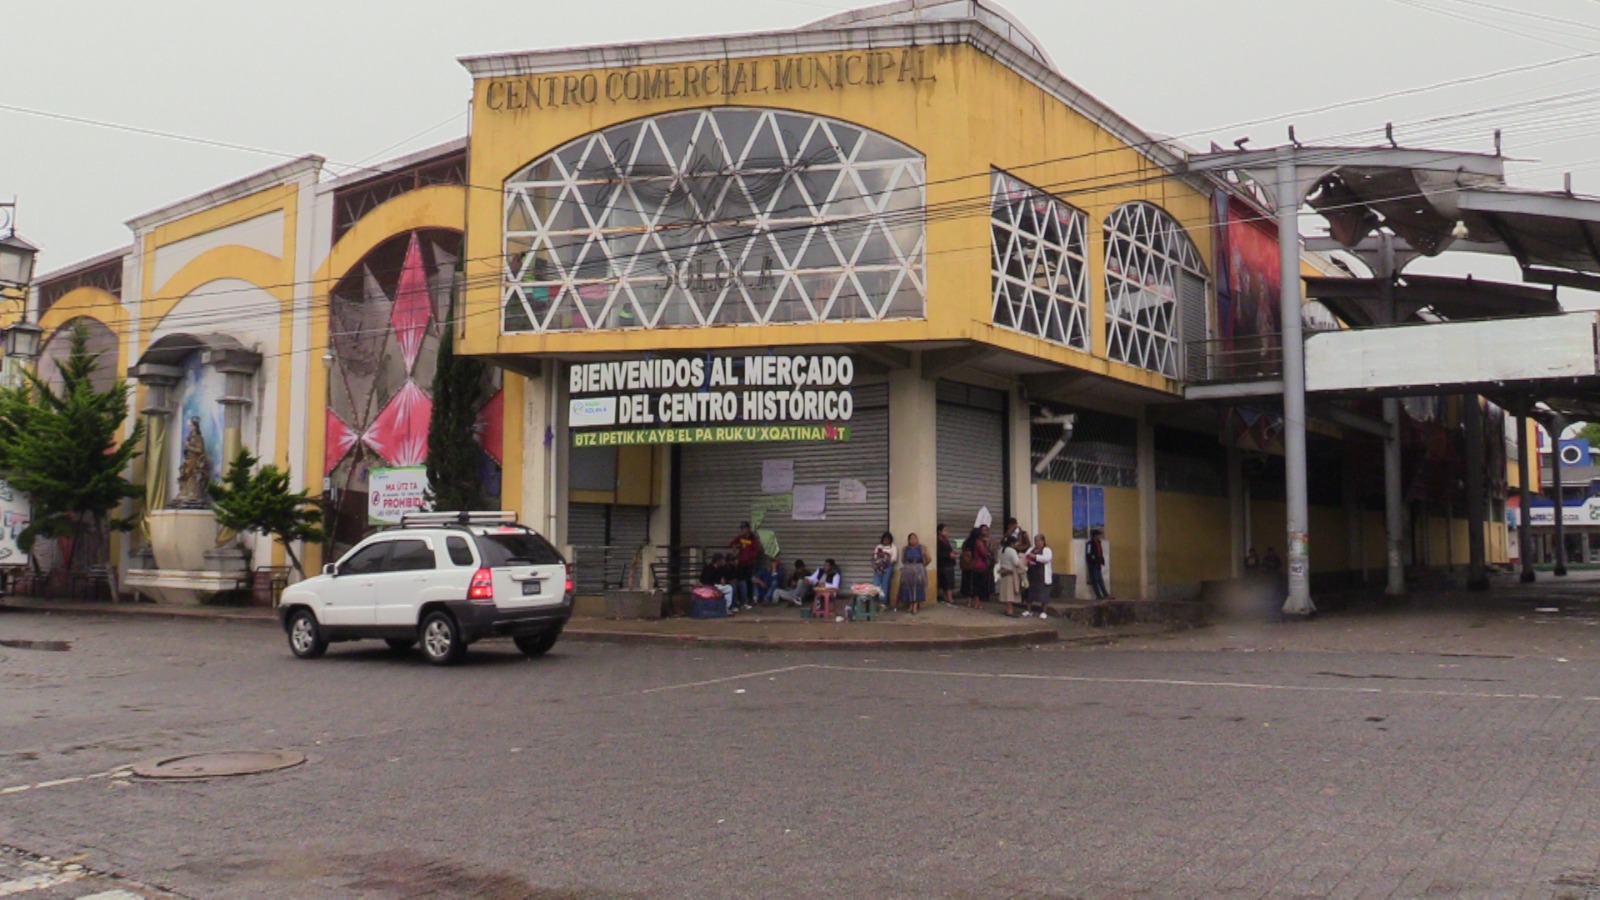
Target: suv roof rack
(464, 517)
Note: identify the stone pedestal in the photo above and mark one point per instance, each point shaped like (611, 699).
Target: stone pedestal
(189, 568)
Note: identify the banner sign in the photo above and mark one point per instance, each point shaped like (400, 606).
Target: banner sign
(711, 400)
(391, 493)
(1587, 514)
(16, 511)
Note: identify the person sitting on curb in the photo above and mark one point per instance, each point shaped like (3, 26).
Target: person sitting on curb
(768, 582)
(795, 586)
(716, 574)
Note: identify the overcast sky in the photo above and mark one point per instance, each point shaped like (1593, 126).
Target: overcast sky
(363, 80)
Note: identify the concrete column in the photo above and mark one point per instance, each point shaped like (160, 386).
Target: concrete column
(1524, 517)
(1148, 587)
(1298, 509)
(1583, 540)
(913, 440)
(1393, 505)
(540, 427)
(1019, 496)
(1477, 564)
(1238, 512)
(1557, 425)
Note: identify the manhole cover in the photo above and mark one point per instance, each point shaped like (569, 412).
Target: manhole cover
(222, 764)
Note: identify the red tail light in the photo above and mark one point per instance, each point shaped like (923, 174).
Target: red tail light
(569, 579)
(482, 586)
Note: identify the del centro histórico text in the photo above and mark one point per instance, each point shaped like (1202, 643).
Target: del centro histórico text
(715, 80)
(700, 391)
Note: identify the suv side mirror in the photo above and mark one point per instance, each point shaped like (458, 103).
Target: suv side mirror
(330, 570)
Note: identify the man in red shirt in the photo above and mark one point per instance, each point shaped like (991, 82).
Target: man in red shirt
(747, 556)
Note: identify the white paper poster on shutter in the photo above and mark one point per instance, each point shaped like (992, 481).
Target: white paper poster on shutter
(777, 476)
(810, 502)
(851, 490)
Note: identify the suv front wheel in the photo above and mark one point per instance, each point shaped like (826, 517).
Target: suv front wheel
(305, 635)
(441, 639)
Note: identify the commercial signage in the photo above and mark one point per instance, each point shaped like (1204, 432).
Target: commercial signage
(690, 400)
(391, 493)
(718, 80)
(16, 511)
(1587, 514)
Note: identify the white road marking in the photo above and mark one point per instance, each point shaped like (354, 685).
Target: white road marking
(1184, 682)
(38, 882)
(118, 772)
(117, 894)
(711, 681)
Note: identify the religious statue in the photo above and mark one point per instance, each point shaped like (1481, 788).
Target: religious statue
(194, 472)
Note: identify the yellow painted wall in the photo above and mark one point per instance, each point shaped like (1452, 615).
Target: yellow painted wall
(962, 109)
(1055, 522)
(1194, 539)
(1122, 533)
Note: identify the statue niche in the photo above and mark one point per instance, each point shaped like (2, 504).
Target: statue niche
(194, 471)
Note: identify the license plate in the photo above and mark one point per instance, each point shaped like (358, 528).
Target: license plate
(530, 587)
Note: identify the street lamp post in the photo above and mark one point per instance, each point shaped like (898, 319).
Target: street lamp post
(16, 274)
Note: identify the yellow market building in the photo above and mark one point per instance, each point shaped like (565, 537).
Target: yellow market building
(885, 271)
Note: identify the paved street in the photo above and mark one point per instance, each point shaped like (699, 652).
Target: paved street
(1229, 761)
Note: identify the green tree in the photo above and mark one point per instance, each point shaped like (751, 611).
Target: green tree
(454, 481)
(1591, 433)
(260, 501)
(64, 447)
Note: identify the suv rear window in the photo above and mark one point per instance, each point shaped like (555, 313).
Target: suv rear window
(525, 547)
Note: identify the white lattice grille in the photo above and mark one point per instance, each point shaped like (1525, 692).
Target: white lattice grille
(1146, 250)
(723, 216)
(1040, 263)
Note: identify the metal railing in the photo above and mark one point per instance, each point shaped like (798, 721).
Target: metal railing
(600, 568)
(1237, 359)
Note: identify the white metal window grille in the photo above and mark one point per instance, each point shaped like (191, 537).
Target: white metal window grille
(724, 216)
(1146, 251)
(1040, 263)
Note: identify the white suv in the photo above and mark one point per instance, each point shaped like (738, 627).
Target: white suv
(443, 580)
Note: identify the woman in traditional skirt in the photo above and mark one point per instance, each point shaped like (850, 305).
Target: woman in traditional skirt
(1009, 572)
(1040, 575)
(913, 574)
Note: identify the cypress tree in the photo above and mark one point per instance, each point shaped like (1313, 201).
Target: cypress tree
(63, 447)
(453, 463)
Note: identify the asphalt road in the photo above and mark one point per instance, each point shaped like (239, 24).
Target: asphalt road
(606, 771)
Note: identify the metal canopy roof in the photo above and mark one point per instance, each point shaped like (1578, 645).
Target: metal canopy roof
(1359, 302)
(1540, 229)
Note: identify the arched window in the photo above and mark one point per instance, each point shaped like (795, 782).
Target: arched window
(726, 216)
(1155, 288)
(1040, 263)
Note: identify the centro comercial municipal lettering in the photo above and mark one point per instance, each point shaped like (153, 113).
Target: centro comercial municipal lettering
(894, 262)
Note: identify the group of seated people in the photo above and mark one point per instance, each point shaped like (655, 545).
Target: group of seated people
(771, 585)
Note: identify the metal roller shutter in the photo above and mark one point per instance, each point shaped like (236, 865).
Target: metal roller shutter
(720, 481)
(971, 456)
(586, 531)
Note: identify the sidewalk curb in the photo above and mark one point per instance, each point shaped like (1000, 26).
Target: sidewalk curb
(1031, 637)
(142, 611)
(976, 642)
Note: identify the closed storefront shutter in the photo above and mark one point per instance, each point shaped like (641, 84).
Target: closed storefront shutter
(606, 539)
(1193, 328)
(971, 456)
(586, 531)
(720, 482)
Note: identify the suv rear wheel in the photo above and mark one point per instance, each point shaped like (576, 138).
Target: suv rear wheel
(536, 644)
(441, 639)
(305, 635)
